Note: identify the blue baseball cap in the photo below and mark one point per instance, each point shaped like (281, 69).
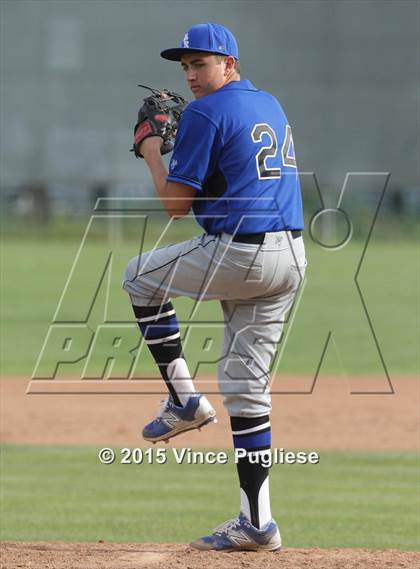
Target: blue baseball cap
(207, 37)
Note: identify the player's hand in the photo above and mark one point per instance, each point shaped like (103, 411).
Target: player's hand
(151, 145)
(159, 116)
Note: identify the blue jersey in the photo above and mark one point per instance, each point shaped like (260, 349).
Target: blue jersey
(235, 148)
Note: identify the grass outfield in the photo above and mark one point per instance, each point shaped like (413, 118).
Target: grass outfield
(35, 273)
(348, 500)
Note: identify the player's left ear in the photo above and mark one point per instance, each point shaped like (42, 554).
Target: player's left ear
(229, 64)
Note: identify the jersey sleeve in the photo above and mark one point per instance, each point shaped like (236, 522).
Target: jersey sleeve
(196, 150)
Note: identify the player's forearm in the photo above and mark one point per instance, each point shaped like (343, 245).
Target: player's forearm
(158, 171)
(159, 174)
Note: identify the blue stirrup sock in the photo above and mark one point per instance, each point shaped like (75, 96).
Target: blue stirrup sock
(160, 330)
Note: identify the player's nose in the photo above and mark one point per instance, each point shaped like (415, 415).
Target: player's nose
(191, 75)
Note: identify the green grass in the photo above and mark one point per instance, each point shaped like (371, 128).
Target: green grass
(350, 499)
(35, 272)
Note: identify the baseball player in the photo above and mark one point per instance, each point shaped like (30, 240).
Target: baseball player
(234, 165)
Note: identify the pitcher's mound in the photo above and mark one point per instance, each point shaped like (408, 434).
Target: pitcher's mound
(64, 555)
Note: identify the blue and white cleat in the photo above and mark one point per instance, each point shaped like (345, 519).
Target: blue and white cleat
(241, 535)
(173, 420)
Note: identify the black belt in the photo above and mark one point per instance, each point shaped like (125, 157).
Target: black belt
(258, 238)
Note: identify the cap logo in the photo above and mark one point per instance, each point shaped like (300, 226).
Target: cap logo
(186, 41)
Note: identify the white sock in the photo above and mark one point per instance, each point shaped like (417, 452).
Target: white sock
(264, 510)
(180, 378)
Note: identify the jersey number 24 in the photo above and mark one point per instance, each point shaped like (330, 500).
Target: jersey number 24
(269, 150)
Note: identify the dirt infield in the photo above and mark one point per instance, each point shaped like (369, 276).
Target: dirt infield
(329, 418)
(170, 556)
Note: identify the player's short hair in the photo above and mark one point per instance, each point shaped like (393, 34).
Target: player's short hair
(219, 59)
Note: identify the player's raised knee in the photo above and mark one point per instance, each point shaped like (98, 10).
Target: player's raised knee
(131, 272)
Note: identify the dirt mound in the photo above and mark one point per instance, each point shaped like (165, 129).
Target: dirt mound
(59, 555)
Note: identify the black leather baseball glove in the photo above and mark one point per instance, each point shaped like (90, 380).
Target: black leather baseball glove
(158, 116)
